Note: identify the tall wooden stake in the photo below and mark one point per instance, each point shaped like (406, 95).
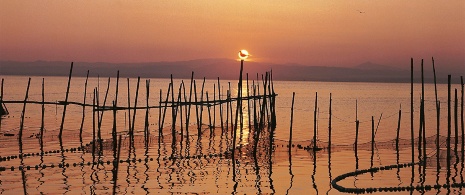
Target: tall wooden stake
(66, 101)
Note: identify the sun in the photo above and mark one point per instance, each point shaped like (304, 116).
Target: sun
(243, 54)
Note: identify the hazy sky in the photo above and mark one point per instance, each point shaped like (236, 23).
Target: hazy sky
(316, 32)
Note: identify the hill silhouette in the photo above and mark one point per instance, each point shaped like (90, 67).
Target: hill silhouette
(225, 69)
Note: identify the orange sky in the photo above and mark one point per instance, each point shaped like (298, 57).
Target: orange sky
(317, 32)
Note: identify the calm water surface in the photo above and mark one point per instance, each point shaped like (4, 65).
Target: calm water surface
(147, 167)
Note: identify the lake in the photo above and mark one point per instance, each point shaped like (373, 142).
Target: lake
(200, 162)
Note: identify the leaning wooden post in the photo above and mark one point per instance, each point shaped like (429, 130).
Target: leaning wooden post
(292, 119)
(135, 106)
(66, 101)
(398, 129)
(196, 110)
(83, 107)
(238, 106)
(188, 114)
(209, 115)
(173, 116)
(438, 113)
(220, 106)
(20, 136)
(201, 103)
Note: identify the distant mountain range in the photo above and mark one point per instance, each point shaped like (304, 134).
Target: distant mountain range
(228, 69)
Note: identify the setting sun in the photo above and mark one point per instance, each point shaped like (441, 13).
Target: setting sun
(243, 54)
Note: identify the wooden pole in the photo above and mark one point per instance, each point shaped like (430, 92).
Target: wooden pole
(146, 129)
(462, 122)
(356, 128)
(314, 121)
(221, 106)
(113, 133)
(448, 124)
(372, 140)
(456, 125)
(93, 126)
(115, 180)
(438, 113)
(398, 129)
(329, 125)
(239, 106)
(83, 107)
(129, 108)
(135, 105)
(43, 113)
(20, 136)
(66, 101)
(248, 101)
(188, 114)
(292, 119)
(412, 136)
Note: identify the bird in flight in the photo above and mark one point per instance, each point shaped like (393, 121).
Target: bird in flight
(360, 12)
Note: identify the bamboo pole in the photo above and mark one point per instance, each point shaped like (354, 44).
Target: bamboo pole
(66, 101)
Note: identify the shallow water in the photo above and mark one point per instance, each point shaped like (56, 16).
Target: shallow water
(203, 164)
